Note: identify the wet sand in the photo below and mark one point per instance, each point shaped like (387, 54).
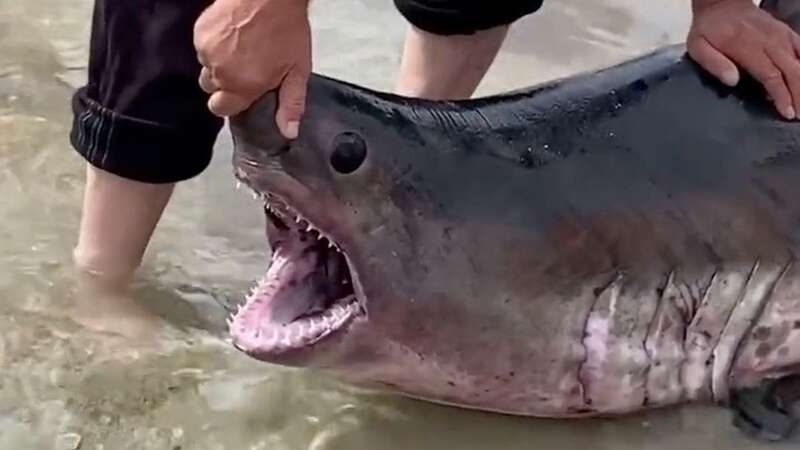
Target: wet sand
(63, 386)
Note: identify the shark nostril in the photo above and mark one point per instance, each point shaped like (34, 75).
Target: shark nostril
(349, 152)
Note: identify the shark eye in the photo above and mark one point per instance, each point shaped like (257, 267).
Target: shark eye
(349, 152)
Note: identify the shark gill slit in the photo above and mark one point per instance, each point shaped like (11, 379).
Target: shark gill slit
(693, 316)
(703, 296)
(716, 341)
(721, 390)
(614, 280)
(690, 319)
(651, 326)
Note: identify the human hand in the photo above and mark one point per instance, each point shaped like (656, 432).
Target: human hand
(727, 33)
(250, 47)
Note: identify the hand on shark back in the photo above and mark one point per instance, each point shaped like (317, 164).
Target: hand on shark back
(248, 48)
(730, 33)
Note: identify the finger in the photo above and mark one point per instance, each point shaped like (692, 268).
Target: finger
(292, 102)
(770, 76)
(226, 104)
(789, 65)
(201, 58)
(713, 60)
(207, 83)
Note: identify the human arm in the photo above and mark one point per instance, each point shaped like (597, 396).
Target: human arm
(250, 47)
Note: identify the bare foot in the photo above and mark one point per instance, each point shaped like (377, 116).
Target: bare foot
(108, 307)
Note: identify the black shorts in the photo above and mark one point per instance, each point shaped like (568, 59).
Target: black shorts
(142, 114)
(447, 17)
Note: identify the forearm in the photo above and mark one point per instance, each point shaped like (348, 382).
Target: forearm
(243, 12)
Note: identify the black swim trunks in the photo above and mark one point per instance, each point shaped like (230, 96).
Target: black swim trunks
(447, 17)
(142, 114)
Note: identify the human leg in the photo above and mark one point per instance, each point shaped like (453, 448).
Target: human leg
(451, 44)
(440, 67)
(142, 125)
(118, 220)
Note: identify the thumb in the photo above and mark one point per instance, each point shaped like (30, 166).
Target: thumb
(713, 60)
(292, 102)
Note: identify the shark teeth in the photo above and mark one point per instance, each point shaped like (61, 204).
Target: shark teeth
(252, 335)
(289, 336)
(298, 333)
(298, 218)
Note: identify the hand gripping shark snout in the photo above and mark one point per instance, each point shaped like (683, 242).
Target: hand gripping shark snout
(596, 245)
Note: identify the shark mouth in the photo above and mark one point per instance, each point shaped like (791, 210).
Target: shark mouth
(306, 294)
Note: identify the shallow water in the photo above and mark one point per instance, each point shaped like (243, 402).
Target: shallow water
(63, 386)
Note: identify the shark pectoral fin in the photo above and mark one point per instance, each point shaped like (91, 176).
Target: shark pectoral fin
(768, 412)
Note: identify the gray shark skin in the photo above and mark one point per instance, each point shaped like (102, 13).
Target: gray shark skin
(597, 245)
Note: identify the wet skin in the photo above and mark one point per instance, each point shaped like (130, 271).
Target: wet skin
(601, 244)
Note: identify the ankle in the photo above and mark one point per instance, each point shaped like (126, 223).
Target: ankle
(118, 220)
(104, 273)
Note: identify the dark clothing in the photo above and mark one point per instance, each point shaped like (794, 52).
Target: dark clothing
(448, 17)
(142, 114)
